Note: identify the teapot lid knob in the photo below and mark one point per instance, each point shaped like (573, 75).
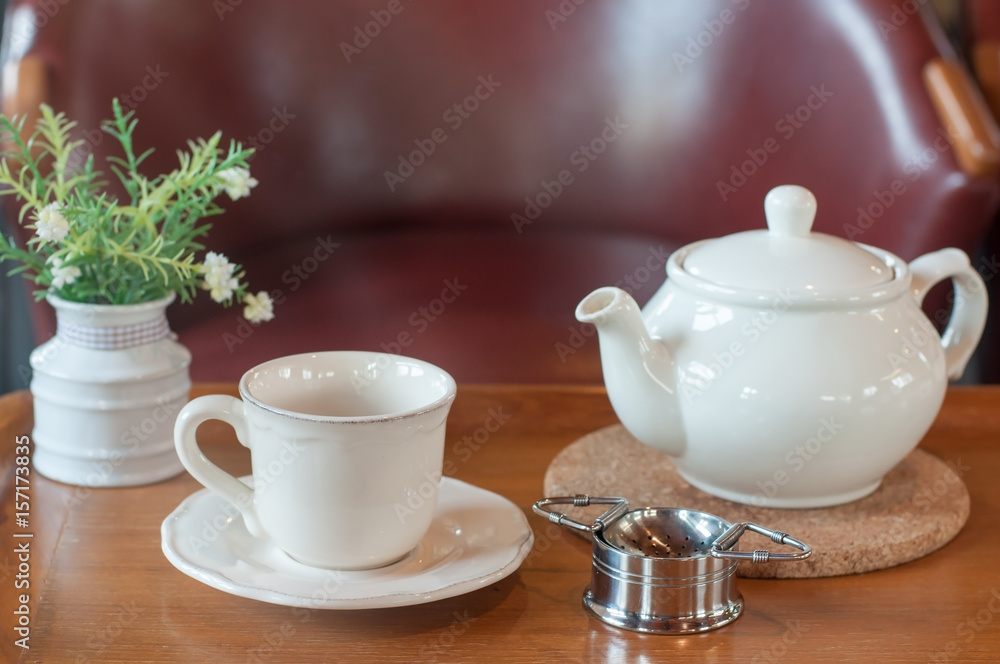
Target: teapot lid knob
(790, 210)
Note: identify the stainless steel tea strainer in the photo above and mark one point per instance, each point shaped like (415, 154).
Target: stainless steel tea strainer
(665, 570)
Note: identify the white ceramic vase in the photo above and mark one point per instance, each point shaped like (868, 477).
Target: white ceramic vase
(107, 389)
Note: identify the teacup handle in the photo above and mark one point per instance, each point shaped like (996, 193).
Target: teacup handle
(230, 411)
(968, 315)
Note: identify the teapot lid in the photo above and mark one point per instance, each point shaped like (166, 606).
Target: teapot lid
(788, 254)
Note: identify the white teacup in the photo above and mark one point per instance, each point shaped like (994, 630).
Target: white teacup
(346, 448)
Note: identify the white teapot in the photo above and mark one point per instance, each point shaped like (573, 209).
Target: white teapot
(786, 368)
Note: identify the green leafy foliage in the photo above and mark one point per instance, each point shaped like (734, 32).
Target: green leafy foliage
(91, 247)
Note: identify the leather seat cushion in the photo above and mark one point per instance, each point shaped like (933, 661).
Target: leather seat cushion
(484, 305)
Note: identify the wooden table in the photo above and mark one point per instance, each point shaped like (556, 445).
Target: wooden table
(102, 591)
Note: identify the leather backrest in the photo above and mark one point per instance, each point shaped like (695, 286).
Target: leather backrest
(662, 117)
(582, 134)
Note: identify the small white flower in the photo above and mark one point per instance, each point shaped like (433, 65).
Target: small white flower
(219, 279)
(215, 262)
(63, 275)
(259, 307)
(237, 182)
(50, 224)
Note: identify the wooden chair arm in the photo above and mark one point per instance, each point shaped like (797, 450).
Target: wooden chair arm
(965, 116)
(25, 87)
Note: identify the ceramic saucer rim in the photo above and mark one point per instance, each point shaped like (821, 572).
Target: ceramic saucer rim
(216, 580)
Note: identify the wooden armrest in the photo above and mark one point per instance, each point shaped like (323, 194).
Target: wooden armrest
(986, 64)
(964, 115)
(25, 87)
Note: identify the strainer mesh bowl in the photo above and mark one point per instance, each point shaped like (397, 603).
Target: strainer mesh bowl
(665, 533)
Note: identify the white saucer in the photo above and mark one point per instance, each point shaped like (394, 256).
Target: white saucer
(477, 538)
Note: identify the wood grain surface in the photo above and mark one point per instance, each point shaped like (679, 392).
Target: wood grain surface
(102, 591)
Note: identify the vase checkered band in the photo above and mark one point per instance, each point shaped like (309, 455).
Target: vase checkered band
(113, 338)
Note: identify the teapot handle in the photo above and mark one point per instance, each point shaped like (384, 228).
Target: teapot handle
(968, 314)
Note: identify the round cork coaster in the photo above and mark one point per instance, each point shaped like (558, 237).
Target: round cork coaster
(920, 506)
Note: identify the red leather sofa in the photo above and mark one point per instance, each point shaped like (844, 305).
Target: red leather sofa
(448, 179)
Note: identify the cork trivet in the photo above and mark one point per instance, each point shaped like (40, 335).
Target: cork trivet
(920, 506)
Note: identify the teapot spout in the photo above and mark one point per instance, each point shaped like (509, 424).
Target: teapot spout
(638, 370)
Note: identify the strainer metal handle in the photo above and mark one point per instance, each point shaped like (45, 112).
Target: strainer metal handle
(721, 547)
(618, 507)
